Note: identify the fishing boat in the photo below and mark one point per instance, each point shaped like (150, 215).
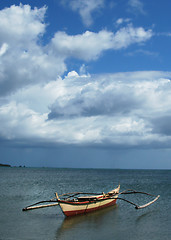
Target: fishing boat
(88, 203)
(77, 203)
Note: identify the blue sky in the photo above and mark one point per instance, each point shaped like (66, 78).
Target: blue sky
(85, 83)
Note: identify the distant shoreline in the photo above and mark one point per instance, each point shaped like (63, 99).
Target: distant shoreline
(79, 168)
(4, 165)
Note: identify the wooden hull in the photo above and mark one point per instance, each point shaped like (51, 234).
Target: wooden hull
(75, 208)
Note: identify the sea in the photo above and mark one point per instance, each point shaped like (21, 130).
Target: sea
(20, 187)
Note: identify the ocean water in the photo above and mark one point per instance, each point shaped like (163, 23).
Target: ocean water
(20, 187)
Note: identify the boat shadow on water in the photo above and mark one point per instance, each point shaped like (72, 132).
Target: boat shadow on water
(94, 219)
(145, 215)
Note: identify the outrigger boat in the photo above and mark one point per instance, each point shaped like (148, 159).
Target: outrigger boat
(76, 203)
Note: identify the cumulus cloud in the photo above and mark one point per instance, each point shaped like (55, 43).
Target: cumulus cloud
(85, 8)
(21, 25)
(11, 114)
(112, 94)
(23, 61)
(93, 97)
(84, 46)
(122, 109)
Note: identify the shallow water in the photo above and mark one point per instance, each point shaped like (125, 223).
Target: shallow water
(20, 187)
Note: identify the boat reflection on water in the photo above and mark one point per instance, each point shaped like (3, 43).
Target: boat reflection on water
(72, 227)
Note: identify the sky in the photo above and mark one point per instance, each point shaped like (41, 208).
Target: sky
(85, 83)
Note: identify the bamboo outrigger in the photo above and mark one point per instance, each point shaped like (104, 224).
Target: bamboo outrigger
(80, 203)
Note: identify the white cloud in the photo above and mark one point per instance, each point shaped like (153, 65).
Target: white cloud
(85, 8)
(112, 94)
(136, 6)
(122, 109)
(116, 109)
(89, 45)
(122, 20)
(130, 35)
(21, 24)
(20, 122)
(143, 52)
(23, 61)
(3, 49)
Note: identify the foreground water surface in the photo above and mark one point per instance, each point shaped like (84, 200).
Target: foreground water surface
(20, 187)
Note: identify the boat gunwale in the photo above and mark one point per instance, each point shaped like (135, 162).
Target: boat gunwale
(77, 202)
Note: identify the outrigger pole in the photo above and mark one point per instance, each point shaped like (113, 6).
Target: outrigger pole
(32, 207)
(130, 191)
(137, 206)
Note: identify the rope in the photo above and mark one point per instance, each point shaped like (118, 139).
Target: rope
(130, 191)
